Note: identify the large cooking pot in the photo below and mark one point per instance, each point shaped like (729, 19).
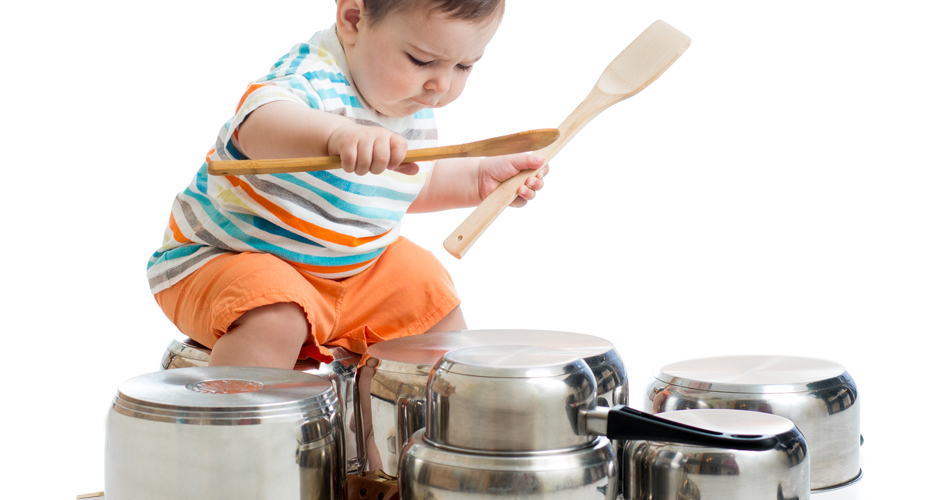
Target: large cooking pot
(390, 386)
(522, 422)
(223, 433)
(183, 352)
(819, 396)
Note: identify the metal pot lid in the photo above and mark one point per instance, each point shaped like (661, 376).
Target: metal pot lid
(421, 352)
(755, 374)
(224, 395)
(741, 422)
(511, 361)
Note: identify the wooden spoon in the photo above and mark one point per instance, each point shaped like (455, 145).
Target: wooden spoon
(647, 57)
(520, 142)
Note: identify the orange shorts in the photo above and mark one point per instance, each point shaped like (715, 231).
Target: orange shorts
(404, 293)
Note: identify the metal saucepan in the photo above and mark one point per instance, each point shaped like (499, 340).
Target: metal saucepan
(391, 384)
(222, 433)
(658, 470)
(183, 352)
(522, 422)
(819, 396)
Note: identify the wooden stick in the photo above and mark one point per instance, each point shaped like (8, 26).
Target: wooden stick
(520, 142)
(634, 69)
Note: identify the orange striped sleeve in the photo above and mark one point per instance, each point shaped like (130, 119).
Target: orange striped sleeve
(175, 231)
(300, 224)
(250, 90)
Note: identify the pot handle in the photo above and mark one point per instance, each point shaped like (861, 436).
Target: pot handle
(628, 424)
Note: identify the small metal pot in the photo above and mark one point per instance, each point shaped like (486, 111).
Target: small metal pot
(819, 396)
(655, 470)
(391, 386)
(183, 352)
(525, 418)
(222, 433)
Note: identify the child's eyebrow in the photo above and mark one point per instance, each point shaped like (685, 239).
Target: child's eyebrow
(426, 52)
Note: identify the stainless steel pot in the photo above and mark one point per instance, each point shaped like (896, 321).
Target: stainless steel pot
(182, 352)
(391, 385)
(656, 470)
(522, 422)
(222, 433)
(819, 396)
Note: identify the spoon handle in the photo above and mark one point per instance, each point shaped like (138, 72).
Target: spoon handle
(491, 207)
(644, 60)
(496, 146)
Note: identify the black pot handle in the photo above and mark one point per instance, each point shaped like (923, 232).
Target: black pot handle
(628, 424)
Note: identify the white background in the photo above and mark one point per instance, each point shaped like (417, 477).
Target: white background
(781, 189)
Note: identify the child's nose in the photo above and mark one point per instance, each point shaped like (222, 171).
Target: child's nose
(439, 82)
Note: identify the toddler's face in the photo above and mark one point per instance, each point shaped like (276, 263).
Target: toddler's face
(416, 59)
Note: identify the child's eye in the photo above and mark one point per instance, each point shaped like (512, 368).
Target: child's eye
(465, 68)
(419, 63)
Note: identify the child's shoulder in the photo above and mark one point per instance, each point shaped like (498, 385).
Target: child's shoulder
(319, 58)
(318, 51)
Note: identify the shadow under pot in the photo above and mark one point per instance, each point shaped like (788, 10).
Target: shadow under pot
(522, 422)
(819, 396)
(391, 385)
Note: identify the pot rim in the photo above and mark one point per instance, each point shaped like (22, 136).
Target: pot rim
(263, 395)
(754, 374)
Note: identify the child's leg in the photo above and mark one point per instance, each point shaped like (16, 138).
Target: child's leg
(406, 292)
(454, 321)
(268, 336)
(251, 309)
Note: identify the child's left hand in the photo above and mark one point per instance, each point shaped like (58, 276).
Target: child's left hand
(494, 170)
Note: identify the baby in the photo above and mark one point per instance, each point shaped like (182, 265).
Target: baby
(268, 269)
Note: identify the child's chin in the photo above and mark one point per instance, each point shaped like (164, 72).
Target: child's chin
(404, 114)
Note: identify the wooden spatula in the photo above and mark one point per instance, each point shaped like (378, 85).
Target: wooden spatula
(520, 142)
(647, 57)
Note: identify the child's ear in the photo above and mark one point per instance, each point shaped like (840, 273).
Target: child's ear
(350, 18)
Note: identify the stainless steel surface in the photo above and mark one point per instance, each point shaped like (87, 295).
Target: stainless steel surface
(391, 385)
(595, 421)
(224, 433)
(428, 471)
(182, 352)
(654, 470)
(508, 399)
(755, 374)
(820, 397)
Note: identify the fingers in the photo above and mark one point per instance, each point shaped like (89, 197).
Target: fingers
(398, 147)
(534, 183)
(532, 162)
(363, 150)
(528, 191)
(406, 168)
(379, 160)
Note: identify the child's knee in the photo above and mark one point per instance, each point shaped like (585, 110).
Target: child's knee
(280, 322)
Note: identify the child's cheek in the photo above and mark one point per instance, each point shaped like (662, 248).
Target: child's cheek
(402, 85)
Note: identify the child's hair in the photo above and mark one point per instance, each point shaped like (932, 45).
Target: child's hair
(466, 10)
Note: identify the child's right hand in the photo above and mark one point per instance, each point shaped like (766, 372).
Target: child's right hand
(363, 149)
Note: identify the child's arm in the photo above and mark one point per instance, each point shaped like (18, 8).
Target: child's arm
(284, 129)
(465, 182)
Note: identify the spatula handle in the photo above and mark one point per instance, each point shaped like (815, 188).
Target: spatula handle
(637, 66)
(484, 214)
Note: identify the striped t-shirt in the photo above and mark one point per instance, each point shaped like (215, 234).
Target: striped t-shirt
(331, 224)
